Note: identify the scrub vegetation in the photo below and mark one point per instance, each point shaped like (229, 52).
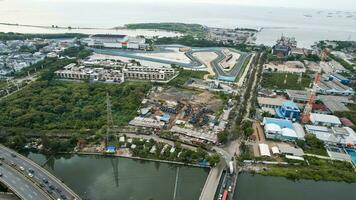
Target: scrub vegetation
(315, 169)
(185, 75)
(192, 29)
(283, 81)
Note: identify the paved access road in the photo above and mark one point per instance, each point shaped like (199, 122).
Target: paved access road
(54, 187)
(20, 185)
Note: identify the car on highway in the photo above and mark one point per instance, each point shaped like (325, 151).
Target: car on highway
(230, 188)
(0, 174)
(30, 175)
(2, 158)
(13, 155)
(51, 187)
(22, 168)
(58, 190)
(13, 164)
(63, 197)
(45, 181)
(31, 171)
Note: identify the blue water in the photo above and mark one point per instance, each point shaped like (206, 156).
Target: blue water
(352, 153)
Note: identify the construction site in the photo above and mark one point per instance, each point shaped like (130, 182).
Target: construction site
(194, 116)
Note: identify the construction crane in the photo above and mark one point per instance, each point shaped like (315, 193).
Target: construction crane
(109, 120)
(311, 99)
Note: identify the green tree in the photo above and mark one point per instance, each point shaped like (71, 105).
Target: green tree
(213, 159)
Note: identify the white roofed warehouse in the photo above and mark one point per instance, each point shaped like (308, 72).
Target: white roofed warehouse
(264, 150)
(324, 120)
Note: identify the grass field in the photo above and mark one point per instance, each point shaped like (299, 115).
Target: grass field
(185, 75)
(277, 81)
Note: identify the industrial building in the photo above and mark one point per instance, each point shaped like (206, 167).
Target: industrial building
(290, 150)
(264, 150)
(332, 103)
(284, 46)
(336, 135)
(334, 88)
(116, 41)
(281, 50)
(324, 120)
(205, 136)
(282, 129)
(269, 105)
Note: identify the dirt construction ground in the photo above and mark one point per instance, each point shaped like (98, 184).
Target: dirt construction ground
(206, 98)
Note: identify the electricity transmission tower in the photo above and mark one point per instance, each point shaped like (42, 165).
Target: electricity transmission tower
(109, 120)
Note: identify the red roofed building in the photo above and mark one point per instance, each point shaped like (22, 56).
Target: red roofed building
(346, 122)
(321, 109)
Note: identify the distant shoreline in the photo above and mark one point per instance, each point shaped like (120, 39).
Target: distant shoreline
(60, 27)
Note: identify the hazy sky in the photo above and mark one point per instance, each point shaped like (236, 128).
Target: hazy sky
(314, 4)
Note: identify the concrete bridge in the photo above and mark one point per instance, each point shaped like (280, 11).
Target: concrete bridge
(29, 181)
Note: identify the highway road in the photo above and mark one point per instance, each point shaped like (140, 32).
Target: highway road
(20, 185)
(49, 182)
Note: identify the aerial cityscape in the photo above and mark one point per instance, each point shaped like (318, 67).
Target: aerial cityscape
(181, 100)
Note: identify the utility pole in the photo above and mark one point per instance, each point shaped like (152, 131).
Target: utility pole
(109, 120)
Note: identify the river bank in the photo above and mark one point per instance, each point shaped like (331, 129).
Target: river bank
(137, 158)
(258, 187)
(313, 169)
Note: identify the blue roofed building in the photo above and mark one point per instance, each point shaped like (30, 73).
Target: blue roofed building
(165, 118)
(111, 149)
(288, 110)
(227, 78)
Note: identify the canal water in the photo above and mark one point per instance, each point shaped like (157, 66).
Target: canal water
(112, 178)
(108, 178)
(258, 187)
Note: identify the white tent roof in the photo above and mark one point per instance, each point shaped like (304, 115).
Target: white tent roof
(264, 150)
(289, 133)
(275, 150)
(274, 128)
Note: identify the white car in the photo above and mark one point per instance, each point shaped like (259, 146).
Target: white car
(21, 168)
(30, 175)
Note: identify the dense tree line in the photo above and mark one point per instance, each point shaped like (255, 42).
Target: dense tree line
(192, 41)
(68, 105)
(22, 36)
(177, 27)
